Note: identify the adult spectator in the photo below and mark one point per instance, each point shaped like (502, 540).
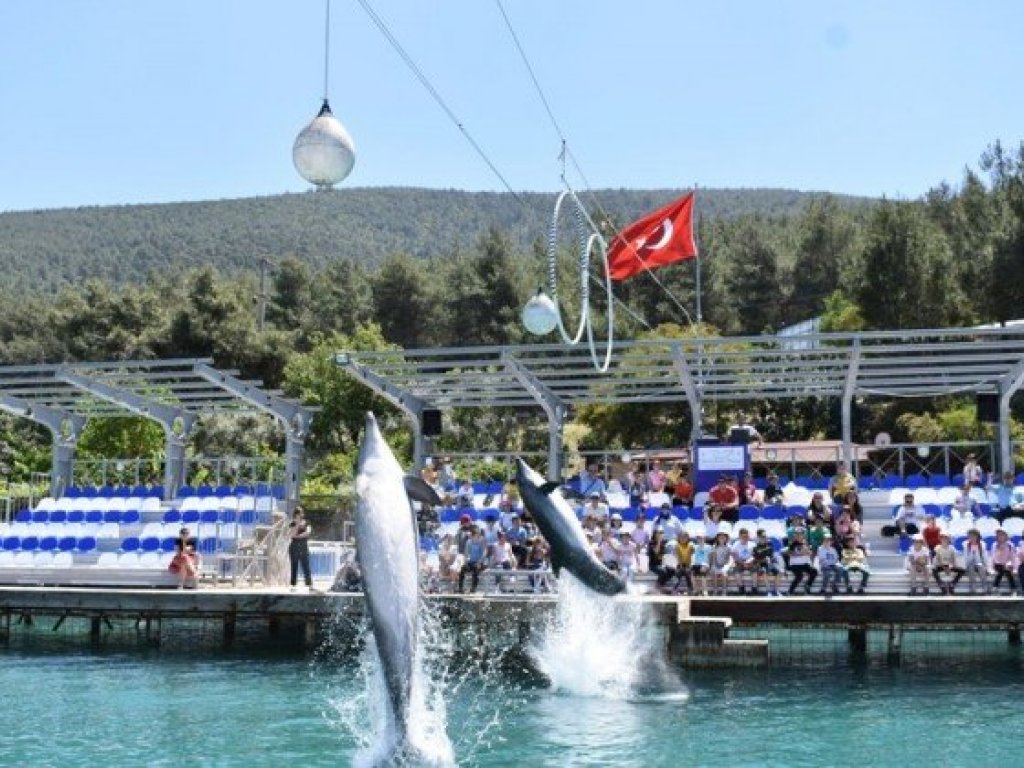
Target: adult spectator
(681, 487)
(299, 532)
(592, 482)
(724, 496)
(446, 475)
(841, 483)
(656, 478)
(976, 561)
(799, 563)
(429, 475)
(595, 508)
(465, 532)
(852, 504)
(608, 550)
(506, 514)
(637, 489)
(721, 563)
(474, 560)
(667, 523)
(518, 536)
(974, 475)
(766, 568)
(185, 563)
(746, 489)
(817, 510)
(964, 504)
(743, 432)
(773, 490)
(656, 551)
(906, 520)
(1009, 500)
(491, 530)
(537, 560)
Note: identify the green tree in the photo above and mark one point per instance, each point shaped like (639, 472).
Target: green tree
(403, 301)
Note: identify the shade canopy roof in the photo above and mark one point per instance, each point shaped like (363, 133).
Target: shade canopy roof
(910, 363)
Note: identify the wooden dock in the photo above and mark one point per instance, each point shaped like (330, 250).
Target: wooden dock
(696, 630)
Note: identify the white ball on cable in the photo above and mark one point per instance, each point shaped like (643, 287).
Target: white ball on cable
(324, 153)
(540, 315)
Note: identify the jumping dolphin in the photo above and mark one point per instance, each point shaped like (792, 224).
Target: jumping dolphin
(569, 546)
(387, 551)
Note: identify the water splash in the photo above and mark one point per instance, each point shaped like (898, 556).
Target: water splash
(601, 647)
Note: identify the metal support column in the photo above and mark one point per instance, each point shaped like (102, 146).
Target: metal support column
(177, 422)
(1007, 389)
(553, 407)
(406, 402)
(65, 428)
(294, 417)
(849, 390)
(692, 395)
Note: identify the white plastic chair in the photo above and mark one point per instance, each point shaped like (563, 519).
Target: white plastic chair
(150, 504)
(105, 560)
(133, 504)
(657, 499)
(1014, 526)
(66, 505)
(23, 560)
(64, 560)
(149, 560)
(116, 503)
(46, 504)
(210, 503)
(191, 503)
(42, 560)
(125, 559)
(946, 495)
(987, 526)
(6, 559)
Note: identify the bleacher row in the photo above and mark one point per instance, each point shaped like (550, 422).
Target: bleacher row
(157, 491)
(113, 539)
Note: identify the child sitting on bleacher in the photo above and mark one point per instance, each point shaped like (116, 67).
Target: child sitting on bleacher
(627, 556)
(917, 565)
(701, 563)
(766, 569)
(720, 564)
(855, 561)
(975, 560)
(828, 565)
(1004, 561)
(944, 563)
(684, 562)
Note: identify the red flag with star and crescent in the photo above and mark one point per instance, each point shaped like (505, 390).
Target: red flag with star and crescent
(659, 238)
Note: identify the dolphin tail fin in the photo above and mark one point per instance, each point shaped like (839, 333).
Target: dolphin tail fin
(548, 487)
(418, 490)
(556, 562)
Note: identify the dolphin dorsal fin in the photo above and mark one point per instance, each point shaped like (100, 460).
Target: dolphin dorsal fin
(417, 489)
(548, 487)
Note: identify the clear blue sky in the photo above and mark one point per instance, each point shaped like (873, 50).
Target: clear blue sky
(125, 101)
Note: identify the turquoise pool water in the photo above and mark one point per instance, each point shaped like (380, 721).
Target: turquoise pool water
(67, 707)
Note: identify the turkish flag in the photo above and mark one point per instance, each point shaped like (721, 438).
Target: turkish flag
(659, 238)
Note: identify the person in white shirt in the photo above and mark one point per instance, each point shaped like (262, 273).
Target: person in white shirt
(592, 482)
(668, 523)
(641, 537)
(906, 519)
(500, 558)
(608, 551)
(964, 505)
(595, 508)
(973, 473)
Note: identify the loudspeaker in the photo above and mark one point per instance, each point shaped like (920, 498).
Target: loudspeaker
(987, 408)
(431, 422)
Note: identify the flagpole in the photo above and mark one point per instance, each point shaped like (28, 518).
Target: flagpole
(700, 220)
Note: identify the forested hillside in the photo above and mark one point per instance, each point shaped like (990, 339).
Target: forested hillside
(385, 268)
(130, 243)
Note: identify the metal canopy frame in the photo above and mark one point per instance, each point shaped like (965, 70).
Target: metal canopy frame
(174, 393)
(555, 377)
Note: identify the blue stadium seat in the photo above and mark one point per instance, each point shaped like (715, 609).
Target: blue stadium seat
(959, 542)
(939, 481)
(121, 492)
(23, 516)
(186, 490)
(131, 516)
(47, 543)
(223, 491)
(40, 516)
(67, 543)
(915, 481)
(989, 541)
(1020, 479)
(774, 512)
(139, 492)
(76, 516)
(932, 509)
(30, 544)
(88, 493)
(58, 516)
(696, 513)
(203, 491)
(958, 479)
(984, 509)
(150, 544)
(208, 516)
(112, 516)
(628, 513)
(156, 492)
(890, 481)
(11, 543)
(172, 516)
(249, 516)
(94, 516)
(866, 482)
(73, 492)
(905, 542)
(776, 543)
(86, 544)
(190, 516)
(168, 544)
(681, 512)
(749, 512)
(130, 544)
(231, 515)
(796, 509)
(804, 481)
(243, 490)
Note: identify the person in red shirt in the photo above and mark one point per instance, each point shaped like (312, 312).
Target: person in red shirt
(726, 497)
(931, 533)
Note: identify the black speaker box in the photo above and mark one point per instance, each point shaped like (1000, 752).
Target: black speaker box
(431, 422)
(987, 406)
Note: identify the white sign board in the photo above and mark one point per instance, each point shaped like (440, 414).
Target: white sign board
(721, 458)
